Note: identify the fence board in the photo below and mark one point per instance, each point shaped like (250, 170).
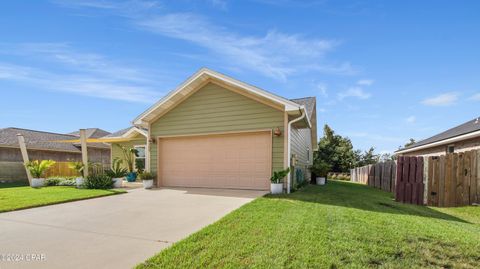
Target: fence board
(441, 181)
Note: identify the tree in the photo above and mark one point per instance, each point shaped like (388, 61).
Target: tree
(367, 157)
(410, 142)
(335, 151)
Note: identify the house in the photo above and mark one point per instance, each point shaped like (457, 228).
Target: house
(45, 146)
(215, 131)
(461, 138)
(131, 137)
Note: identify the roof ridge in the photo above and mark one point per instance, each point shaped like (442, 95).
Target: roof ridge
(37, 131)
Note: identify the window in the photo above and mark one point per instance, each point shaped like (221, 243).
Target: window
(140, 158)
(308, 154)
(450, 149)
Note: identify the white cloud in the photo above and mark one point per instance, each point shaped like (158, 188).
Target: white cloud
(365, 82)
(444, 99)
(80, 73)
(475, 97)
(411, 119)
(275, 54)
(322, 89)
(355, 92)
(221, 4)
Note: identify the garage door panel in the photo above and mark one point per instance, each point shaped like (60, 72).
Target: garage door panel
(218, 161)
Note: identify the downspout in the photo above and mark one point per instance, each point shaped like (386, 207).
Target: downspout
(289, 144)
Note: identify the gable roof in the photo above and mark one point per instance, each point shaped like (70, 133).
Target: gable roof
(463, 131)
(41, 140)
(198, 79)
(128, 132)
(309, 103)
(91, 133)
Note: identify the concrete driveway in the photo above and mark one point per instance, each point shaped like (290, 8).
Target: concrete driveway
(112, 232)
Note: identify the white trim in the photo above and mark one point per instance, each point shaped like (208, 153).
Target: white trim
(442, 142)
(144, 146)
(129, 133)
(206, 73)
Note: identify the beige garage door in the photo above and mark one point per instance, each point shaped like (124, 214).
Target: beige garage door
(242, 161)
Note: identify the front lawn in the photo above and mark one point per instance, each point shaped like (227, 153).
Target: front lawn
(340, 225)
(14, 198)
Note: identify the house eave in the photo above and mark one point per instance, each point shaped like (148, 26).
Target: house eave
(441, 142)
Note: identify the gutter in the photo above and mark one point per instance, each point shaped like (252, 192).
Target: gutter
(303, 114)
(442, 142)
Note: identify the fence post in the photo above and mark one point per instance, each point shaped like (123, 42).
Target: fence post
(23, 150)
(83, 142)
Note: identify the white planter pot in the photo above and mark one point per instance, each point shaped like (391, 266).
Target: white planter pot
(117, 182)
(79, 181)
(38, 182)
(148, 183)
(276, 188)
(320, 180)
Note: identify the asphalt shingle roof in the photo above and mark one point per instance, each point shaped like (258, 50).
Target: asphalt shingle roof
(465, 128)
(92, 133)
(41, 140)
(308, 102)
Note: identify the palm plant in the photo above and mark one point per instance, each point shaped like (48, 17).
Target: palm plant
(37, 168)
(128, 156)
(117, 170)
(77, 166)
(279, 175)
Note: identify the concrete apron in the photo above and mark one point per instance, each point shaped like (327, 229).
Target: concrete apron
(111, 232)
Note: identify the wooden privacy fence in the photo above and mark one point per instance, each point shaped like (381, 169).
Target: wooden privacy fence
(381, 175)
(409, 185)
(61, 169)
(444, 181)
(454, 179)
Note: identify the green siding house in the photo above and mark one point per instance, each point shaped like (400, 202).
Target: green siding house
(132, 137)
(215, 131)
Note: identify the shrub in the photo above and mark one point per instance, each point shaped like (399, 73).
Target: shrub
(60, 181)
(52, 181)
(99, 181)
(146, 176)
(67, 182)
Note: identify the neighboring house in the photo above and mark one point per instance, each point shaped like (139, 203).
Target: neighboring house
(218, 132)
(132, 137)
(458, 139)
(44, 146)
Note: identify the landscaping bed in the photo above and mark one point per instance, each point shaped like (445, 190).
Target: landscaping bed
(340, 225)
(15, 198)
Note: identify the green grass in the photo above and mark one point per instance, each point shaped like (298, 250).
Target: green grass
(340, 225)
(15, 198)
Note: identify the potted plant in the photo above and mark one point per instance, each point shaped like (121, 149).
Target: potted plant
(320, 170)
(147, 179)
(37, 170)
(78, 167)
(129, 158)
(117, 173)
(276, 185)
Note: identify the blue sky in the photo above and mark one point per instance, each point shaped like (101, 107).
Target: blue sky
(382, 71)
